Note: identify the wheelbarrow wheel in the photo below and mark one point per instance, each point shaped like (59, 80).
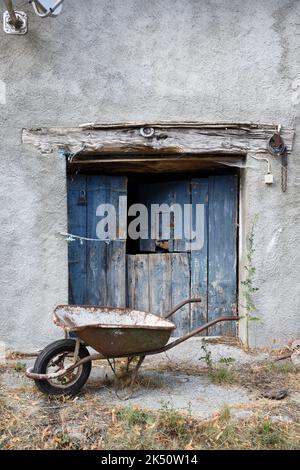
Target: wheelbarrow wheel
(59, 355)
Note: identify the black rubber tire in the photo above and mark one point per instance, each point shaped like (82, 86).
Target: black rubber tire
(53, 350)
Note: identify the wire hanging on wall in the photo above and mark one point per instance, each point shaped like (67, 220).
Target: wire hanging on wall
(70, 237)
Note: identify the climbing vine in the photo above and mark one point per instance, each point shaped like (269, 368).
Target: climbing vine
(248, 283)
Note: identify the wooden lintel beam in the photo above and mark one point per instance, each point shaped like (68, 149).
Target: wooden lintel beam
(167, 138)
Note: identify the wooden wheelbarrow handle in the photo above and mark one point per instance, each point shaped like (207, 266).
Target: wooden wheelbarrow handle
(178, 306)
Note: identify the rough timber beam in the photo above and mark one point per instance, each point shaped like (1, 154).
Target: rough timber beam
(165, 138)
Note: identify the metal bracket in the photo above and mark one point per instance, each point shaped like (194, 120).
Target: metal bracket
(147, 132)
(8, 27)
(277, 147)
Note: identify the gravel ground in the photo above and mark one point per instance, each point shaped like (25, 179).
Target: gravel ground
(171, 378)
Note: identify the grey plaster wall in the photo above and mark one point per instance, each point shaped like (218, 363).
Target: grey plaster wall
(226, 60)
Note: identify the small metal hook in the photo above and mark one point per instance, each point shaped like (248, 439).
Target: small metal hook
(147, 131)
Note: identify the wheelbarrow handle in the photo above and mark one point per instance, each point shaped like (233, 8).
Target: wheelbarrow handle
(178, 306)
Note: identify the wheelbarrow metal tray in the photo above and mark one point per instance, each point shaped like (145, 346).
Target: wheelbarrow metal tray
(115, 332)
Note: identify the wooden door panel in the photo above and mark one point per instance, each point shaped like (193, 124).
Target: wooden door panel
(175, 193)
(222, 252)
(138, 282)
(101, 273)
(199, 193)
(157, 282)
(76, 248)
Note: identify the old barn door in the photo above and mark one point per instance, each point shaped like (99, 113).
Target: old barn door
(164, 270)
(168, 270)
(96, 266)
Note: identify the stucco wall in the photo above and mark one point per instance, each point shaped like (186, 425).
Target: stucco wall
(112, 60)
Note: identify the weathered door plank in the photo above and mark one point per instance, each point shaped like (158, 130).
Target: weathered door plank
(96, 250)
(138, 282)
(160, 283)
(222, 257)
(180, 286)
(116, 249)
(157, 282)
(199, 195)
(105, 261)
(77, 249)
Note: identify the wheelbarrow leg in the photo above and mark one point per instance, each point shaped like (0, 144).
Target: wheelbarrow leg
(133, 377)
(136, 369)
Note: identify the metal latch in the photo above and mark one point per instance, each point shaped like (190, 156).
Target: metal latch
(82, 201)
(162, 245)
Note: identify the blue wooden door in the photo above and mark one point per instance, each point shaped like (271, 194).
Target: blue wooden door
(96, 266)
(161, 221)
(170, 270)
(101, 273)
(222, 251)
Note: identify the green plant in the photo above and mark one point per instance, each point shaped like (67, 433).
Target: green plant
(284, 368)
(226, 360)
(132, 416)
(172, 423)
(64, 441)
(20, 366)
(223, 375)
(248, 283)
(224, 414)
(207, 354)
(134, 430)
(270, 436)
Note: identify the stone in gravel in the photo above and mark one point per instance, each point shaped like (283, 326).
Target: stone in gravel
(281, 419)
(275, 394)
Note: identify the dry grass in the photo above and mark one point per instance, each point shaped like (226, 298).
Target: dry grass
(168, 429)
(275, 375)
(29, 420)
(256, 376)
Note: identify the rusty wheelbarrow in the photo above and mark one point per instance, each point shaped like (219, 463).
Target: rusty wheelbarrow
(64, 366)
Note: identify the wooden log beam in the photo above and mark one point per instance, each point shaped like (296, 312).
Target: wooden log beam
(167, 138)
